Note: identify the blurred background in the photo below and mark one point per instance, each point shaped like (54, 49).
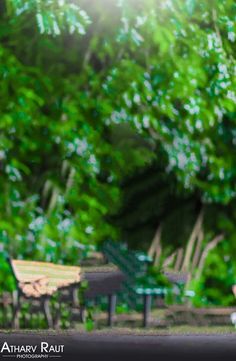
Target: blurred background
(118, 122)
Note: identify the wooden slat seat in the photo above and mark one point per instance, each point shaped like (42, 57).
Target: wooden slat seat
(41, 278)
(176, 277)
(202, 311)
(204, 316)
(103, 281)
(215, 311)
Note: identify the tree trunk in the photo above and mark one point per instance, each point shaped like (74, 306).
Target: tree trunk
(169, 260)
(179, 259)
(210, 246)
(190, 245)
(155, 248)
(197, 252)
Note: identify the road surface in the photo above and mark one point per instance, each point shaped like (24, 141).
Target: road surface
(111, 346)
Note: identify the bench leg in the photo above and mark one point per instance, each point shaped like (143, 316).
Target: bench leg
(16, 310)
(16, 314)
(82, 313)
(74, 305)
(111, 309)
(47, 313)
(58, 314)
(74, 296)
(146, 309)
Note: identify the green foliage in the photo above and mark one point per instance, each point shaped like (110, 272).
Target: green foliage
(52, 17)
(215, 285)
(124, 120)
(156, 277)
(177, 85)
(89, 323)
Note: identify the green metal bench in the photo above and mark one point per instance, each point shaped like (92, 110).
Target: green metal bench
(135, 265)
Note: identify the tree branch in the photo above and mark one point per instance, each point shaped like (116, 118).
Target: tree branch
(209, 247)
(189, 248)
(156, 244)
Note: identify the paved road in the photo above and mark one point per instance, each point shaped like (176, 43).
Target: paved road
(97, 346)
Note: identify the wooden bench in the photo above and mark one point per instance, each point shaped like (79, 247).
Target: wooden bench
(39, 281)
(203, 316)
